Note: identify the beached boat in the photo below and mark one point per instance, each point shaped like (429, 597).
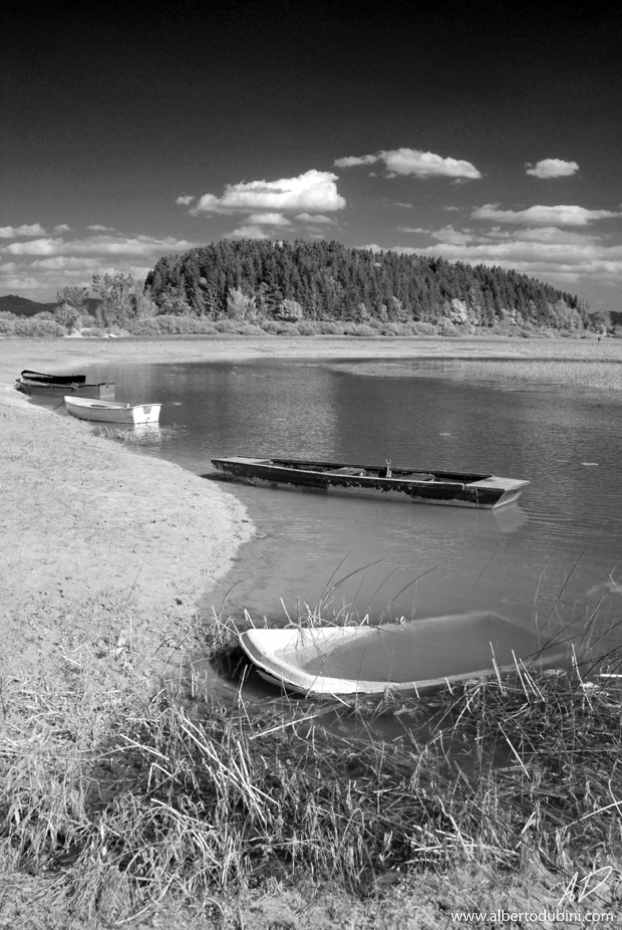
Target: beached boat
(386, 482)
(103, 411)
(41, 377)
(415, 657)
(42, 389)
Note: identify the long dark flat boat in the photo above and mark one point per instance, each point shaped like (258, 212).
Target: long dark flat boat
(384, 481)
(103, 391)
(42, 377)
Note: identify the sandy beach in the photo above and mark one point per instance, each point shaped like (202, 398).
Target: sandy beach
(93, 531)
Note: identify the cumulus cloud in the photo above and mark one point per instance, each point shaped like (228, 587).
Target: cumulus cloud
(314, 218)
(406, 161)
(562, 215)
(543, 234)
(48, 263)
(45, 246)
(566, 258)
(552, 168)
(13, 232)
(66, 262)
(351, 161)
(268, 219)
(185, 199)
(311, 191)
(97, 227)
(451, 235)
(98, 245)
(247, 232)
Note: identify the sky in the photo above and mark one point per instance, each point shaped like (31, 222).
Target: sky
(480, 132)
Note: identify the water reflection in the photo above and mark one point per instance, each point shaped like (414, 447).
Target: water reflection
(553, 555)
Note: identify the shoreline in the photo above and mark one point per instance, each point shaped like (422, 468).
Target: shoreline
(107, 555)
(94, 529)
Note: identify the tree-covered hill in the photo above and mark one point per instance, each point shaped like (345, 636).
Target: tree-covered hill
(299, 280)
(22, 306)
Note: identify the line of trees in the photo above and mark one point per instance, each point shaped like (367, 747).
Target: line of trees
(300, 280)
(314, 287)
(120, 300)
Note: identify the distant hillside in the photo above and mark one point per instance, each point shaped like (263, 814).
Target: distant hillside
(21, 306)
(258, 279)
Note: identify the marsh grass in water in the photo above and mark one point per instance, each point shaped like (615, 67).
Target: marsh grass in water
(122, 806)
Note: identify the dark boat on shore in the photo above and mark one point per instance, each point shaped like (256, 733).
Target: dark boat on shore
(42, 389)
(385, 481)
(43, 378)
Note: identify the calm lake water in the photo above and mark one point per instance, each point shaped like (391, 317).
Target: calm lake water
(554, 559)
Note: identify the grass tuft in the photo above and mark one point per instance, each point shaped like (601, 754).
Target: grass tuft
(188, 800)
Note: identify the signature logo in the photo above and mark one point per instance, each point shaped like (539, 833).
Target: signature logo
(580, 889)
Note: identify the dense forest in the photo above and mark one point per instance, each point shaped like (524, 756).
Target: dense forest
(255, 280)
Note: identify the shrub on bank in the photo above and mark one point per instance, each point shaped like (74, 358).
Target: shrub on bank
(35, 327)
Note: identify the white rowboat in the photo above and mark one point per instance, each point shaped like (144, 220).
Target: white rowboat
(417, 657)
(104, 411)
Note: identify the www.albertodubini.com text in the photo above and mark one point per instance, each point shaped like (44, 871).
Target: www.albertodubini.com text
(553, 915)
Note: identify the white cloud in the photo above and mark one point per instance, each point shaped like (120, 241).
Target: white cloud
(314, 218)
(99, 245)
(543, 234)
(185, 199)
(247, 232)
(413, 229)
(563, 215)
(45, 246)
(12, 232)
(351, 160)
(66, 262)
(268, 219)
(47, 264)
(97, 227)
(15, 283)
(451, 235)
(406, 161)
(552, 168)
(407, 205)
(313, 190)
(566, 259)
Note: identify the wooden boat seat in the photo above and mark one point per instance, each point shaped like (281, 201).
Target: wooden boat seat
(416, 476)
(349, 471)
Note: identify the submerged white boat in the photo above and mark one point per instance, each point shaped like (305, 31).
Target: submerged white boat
(104, 411)
(416, 657)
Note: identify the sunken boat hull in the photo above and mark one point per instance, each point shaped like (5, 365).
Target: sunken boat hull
(400, 484)
(414, 657)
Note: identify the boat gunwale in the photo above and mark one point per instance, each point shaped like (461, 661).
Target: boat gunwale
(307, 683)
(398, 473)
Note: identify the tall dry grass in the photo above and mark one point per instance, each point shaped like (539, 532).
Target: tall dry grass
(124, 805)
